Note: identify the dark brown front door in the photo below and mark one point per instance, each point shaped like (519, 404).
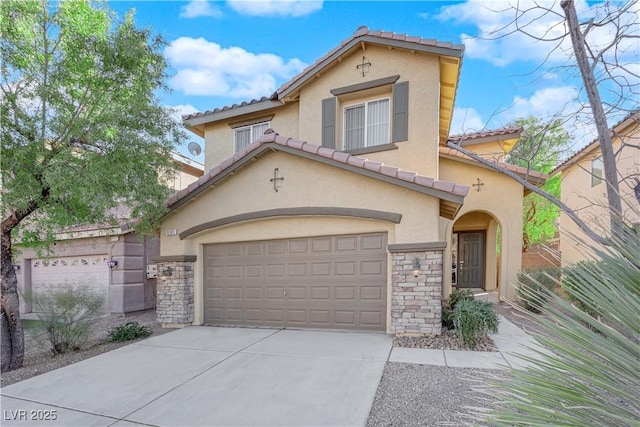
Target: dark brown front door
(471, 260)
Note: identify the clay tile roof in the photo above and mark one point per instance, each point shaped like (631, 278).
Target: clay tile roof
(484, 134)
(225, 108)
(382, 36)
(532, 176)
(271, 140)
(361, 32)
(633, 116)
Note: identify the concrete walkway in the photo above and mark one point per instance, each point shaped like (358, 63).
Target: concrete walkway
(510, 342)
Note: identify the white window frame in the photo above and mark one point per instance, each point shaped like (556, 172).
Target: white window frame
(366, 112)
(250, 127)
(595, 178)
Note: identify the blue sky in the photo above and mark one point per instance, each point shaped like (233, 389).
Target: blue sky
(225, 52)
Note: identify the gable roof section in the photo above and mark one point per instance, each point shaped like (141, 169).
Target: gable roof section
(451, 195)
(450, 61)
(509, 136)
(633, 117)
(534, 177)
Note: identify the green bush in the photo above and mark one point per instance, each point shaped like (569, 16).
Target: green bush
(129, 331)
(530, 285)
(66, 315)
(474, 319)
(450, 304)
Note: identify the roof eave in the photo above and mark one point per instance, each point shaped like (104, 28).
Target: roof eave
(355, 42)
(232, 112)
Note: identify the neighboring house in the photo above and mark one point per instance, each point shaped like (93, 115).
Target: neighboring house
(359, 226)
(112, 261)
(584, 190)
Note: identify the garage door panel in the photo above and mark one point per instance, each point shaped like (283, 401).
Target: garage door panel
(328, 282)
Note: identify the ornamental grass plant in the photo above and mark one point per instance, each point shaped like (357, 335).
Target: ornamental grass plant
(592, 376)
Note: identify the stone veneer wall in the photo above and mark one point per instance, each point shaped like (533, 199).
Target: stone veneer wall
(416, 302)
(174, 307)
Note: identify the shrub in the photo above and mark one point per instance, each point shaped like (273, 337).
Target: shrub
(591, 375)
(66, 315)
(530, 285)
(450, 304)
(474, 319)
(129, 331)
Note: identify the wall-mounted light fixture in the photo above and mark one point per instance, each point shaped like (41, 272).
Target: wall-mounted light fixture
(416, 267)
(166, 272)
(16, 267)
(112, 263)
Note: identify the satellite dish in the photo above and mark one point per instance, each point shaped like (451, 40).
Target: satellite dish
(194, 148)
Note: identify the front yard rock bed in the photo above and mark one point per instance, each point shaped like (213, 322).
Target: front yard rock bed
(448, 340)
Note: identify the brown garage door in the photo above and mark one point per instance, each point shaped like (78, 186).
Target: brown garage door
(325, 282)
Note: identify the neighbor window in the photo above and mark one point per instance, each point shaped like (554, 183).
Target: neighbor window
(245, 135)
(367, 124)
(596, 171)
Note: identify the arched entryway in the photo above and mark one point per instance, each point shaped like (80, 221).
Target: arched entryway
(474, 255)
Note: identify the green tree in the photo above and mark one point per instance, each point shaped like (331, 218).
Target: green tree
(83, 132)
(541, 146)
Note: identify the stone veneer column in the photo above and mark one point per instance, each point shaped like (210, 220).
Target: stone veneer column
(416, 302)
(174, 308)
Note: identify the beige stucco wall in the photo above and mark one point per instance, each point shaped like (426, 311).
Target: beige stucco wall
(219, 136)
(498, 203)
(590, 202)
(302, 119)
(419, 153)
(306, 184)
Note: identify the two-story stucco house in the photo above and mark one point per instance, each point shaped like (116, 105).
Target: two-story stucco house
(335, 203)
(584, 190)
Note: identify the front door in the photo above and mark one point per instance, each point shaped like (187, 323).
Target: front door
(471, 260)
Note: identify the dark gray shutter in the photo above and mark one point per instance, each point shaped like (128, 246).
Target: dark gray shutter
(329, 122)
(400, 116)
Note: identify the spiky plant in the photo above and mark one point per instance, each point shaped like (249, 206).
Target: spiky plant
(593, 376)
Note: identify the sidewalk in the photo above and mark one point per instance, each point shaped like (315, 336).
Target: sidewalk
(510, 342)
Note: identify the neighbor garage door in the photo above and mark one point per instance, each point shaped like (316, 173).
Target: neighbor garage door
(54, 273)
(324, 282)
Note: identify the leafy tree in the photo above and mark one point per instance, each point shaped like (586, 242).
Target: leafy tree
(541, 147)
(84, 135)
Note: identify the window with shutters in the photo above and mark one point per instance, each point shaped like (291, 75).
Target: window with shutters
(366, 124)
(245, 135)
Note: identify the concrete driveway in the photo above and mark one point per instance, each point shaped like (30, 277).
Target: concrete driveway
(206, 376)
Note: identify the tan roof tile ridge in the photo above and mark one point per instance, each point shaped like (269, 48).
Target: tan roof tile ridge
(485, 133)
(513, 168)
(271, 136)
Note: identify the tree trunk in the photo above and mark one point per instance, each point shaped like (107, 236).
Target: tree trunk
(12, 350)
(600, 119)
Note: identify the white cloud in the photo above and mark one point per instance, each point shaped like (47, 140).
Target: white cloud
(182, 109)
(465, 120)
(197, 8)
(206, 68)
(293, 8)
(544, 103)
(497, 40)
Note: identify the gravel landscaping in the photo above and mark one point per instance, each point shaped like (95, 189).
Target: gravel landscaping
(448, 340)
(38, 357)
(425, 395)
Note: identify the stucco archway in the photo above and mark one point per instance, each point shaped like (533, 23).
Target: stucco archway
(492, 232)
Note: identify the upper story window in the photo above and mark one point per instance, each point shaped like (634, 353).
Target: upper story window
(367, 124)
(597, 168)
(245, 135)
